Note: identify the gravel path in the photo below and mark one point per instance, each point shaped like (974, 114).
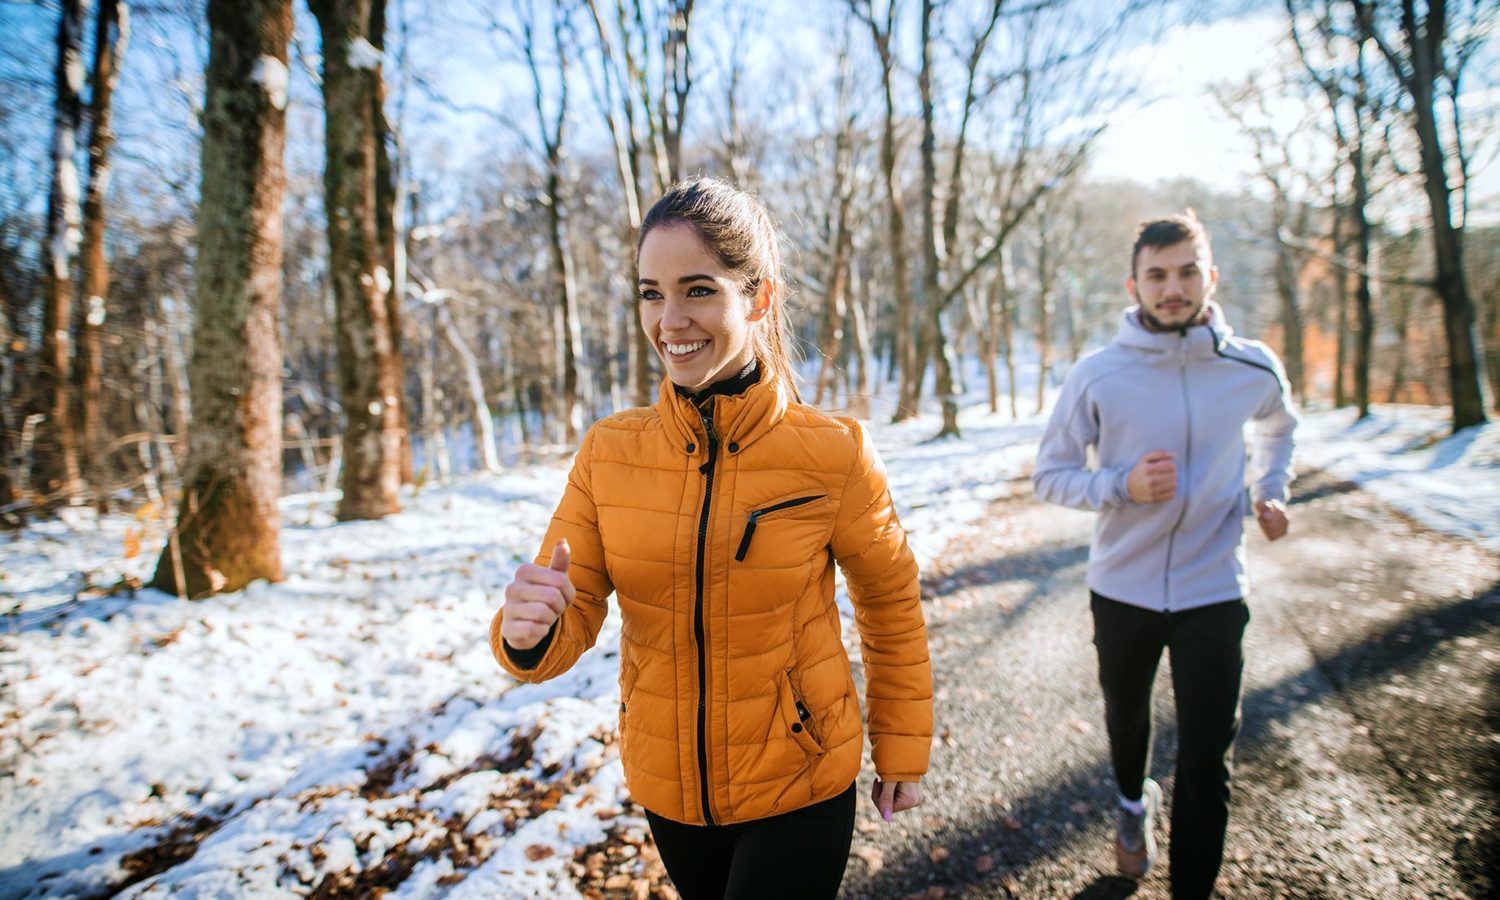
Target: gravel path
(1369, 763)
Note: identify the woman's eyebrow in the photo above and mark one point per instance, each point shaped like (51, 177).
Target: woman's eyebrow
(683, 280)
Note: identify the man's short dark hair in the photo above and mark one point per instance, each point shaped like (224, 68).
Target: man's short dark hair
(1166, 231)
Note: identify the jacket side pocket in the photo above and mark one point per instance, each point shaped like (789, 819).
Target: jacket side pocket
(628, 673)
(798, 718)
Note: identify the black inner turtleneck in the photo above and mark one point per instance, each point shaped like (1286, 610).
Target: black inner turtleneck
(726, 388)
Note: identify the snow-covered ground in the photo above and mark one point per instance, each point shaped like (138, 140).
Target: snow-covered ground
(348, 728)
(1407, 456)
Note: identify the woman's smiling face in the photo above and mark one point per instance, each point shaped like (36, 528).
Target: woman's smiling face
(694, 310)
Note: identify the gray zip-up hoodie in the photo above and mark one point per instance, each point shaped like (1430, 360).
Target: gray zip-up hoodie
(1191, 393)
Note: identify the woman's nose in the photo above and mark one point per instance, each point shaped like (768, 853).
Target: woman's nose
(674, 315)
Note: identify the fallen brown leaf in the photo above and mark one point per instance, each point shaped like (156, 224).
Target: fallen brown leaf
(872, 857)
(537, 852)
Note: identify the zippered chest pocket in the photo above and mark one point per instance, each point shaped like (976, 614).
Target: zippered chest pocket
(755, 516)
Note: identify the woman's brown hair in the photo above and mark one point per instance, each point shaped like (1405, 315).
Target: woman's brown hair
(734, 226)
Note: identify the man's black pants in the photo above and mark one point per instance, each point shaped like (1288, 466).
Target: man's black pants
(1205, 648)
(800, 854)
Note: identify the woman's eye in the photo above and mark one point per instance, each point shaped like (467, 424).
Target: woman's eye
(699, 290)
(649, 295)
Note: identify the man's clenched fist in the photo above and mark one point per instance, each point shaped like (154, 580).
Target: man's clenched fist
(1154, 478)
(1271, 514)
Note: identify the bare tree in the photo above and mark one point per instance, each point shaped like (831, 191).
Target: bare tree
(839, 234)
(1246, 105)
(882, 29)
(1345, 87)
(1057, 226)
(552, 131)
(1428, 55)
(484, 427)
(228, 528)
(111, 34)
(360, 256)
(644, 80)
(56, 462)
(1040, 163)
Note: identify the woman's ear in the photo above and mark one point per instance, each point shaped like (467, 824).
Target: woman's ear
(762, 302)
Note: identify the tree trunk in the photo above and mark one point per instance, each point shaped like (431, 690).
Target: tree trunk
(1286, 290)
(1402, 318)
(55, 471)
(484, 426)
(111, 33)
(11, 405)
(1447, 240)
(1341, 278)
(176, 371)
(1362, 300)
(1424, 40)
(562, 274)
(904, 357)
(392, 238)
(677, 84)
(1491, 343)
(991, 340)
(1043, 327)
(1291, 321)
(228, 530)
(1007, 331)
(359, 264)
(862, 356)
(831, 339)
(929, 299)
(434, 444)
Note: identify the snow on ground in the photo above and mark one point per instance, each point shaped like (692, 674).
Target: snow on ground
(1409, 457)
(347, 727)
(349, 721)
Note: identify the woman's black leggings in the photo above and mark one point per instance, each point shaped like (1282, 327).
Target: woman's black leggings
(800, 854)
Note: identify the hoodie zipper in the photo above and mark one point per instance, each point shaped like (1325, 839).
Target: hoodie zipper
(755, 514)
(1187, 418)
(707, 470)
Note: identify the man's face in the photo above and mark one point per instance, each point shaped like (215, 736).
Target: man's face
(1172, 283)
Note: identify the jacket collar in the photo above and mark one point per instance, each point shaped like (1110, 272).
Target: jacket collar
(739, 419)
(1203, 341)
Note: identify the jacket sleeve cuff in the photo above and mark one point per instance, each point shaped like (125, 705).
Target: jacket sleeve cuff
(894, 777)
(529, 659)
(1269, 491)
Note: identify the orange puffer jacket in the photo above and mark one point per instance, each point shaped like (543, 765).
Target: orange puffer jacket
(719, 533)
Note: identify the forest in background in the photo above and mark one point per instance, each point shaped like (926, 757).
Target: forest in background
(185, 326)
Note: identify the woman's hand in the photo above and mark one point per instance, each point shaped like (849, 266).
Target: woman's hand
(891, 797)
(535, 598)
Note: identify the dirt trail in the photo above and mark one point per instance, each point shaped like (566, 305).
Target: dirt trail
(1369, 764)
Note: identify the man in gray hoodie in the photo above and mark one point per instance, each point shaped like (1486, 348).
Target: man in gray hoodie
(1164, 408)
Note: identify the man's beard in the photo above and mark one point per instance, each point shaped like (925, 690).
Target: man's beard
(1152, 323)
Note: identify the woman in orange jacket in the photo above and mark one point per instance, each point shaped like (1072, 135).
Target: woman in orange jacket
(716, 517)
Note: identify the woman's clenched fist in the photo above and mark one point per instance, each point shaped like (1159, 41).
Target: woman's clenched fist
(535, 598)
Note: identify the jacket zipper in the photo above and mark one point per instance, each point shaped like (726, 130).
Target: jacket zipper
(707, 469)
(1187, 437)
(755, 515)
